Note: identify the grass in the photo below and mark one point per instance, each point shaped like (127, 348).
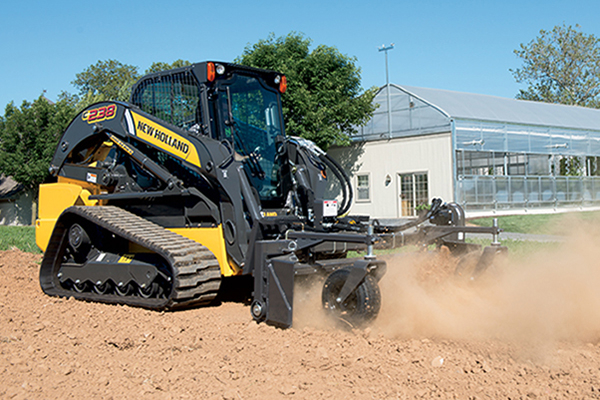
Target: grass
(543, 224)
(517, 249)
(546, 224)
(21, 237)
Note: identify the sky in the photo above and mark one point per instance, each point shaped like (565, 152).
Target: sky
(465, 46)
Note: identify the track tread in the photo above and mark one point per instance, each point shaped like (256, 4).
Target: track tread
(195, 270)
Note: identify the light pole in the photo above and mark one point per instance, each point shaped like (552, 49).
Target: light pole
(387, 84)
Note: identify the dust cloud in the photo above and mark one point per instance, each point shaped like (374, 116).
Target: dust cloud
(550, 295)
(308, 311)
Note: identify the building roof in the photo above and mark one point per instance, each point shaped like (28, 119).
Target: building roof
(460, 105)
(8, 187)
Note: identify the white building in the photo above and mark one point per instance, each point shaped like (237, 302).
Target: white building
(15, 203)
(489, 154)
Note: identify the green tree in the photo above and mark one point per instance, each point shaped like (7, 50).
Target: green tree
(561, 66)
(162, 66)
(324, 101)
(106, 80)
(28, 138)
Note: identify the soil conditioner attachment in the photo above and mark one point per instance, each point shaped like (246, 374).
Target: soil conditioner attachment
(156, 201)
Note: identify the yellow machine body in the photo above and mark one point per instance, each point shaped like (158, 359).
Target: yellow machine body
(56, 197)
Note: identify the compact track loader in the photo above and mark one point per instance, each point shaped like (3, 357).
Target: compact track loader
(156, 201)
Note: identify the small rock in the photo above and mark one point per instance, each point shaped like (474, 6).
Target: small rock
(288, 390)
(437, 362)
(175, 331)
(322, 353)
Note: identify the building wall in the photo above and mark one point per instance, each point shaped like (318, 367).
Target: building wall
(385, 160)
(17, 210)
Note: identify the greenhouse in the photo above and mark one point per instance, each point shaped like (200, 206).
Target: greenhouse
(487, 153)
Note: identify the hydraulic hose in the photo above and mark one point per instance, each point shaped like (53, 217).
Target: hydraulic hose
(340, 174)
(318, 156)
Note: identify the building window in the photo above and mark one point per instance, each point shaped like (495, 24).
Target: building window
(414, 192)
(471, 163)
(362, 188)
(538, 164)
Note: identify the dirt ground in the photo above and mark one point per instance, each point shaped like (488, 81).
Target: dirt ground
(530, 329)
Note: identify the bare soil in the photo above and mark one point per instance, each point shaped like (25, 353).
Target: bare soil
(530, 329)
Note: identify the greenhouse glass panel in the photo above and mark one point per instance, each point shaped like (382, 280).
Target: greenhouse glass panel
(596, 189)
(478, 163)
(517, 141)
(398, 100)
(539, 141)
(459, 163)
(468, 136)
(588, 190)
(562, 191)
(382, 97)
(574, 189)
(561, 142)
(401, 122)
(493, 137)
(592, 166)
(499, 163)
(579, 144)
(426, 118)
(516, 164)
(533, 189)
(547, 189)
(485, 190)
(538, 164)
(466, 191)
(380, 125)
(502, 190)
(594, 145)
(517, 190)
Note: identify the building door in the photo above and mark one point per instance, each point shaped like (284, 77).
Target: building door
(413, 191)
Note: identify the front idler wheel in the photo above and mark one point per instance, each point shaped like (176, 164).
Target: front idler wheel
(359, 308)
(79, 242)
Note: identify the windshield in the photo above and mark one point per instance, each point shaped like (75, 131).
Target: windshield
(252, 123)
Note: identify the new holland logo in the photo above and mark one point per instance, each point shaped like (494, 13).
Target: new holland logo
(169, 140)
(165, 139)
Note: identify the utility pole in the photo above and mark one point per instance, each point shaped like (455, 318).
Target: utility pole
(387, 84)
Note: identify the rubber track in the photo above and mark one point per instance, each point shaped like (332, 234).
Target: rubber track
(196, 275)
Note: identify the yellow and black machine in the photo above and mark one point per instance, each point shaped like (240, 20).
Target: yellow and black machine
(157, 201)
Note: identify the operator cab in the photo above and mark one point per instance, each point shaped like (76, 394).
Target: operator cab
(250, 120)
(236, 105)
